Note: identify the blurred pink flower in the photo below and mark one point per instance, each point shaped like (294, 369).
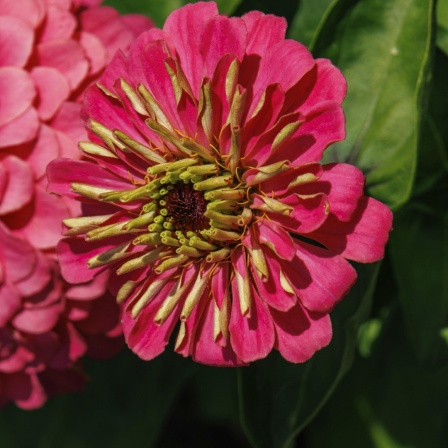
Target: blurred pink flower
(204, 196)
(50, 52)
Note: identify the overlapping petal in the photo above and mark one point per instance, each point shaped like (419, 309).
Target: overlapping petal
(47, 59)
(205, 196)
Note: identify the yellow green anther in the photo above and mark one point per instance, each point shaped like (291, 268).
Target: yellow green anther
(191, 234)
(163, 212)
(245, 217)
(222, 225)
(190, 251)
(88, 190)
(106, 231)
(224, 235)
(170, 241)
(213, 182)
(197, 243)
(166, 233)
(151, 206)
(227, 205)
(142, 220)
(147, 239)
(155, 227)
(171, 166)
(202, 170)
(138, 193)
(170, 263)
(162, 203)
(155, 195)
(140, 262)
(230, 220)
(159, 219)
(217, 255)
(225, 194)
(163, 191)
(168, 225)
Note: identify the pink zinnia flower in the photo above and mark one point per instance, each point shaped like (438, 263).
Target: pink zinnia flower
(50, 51)
(204, 196)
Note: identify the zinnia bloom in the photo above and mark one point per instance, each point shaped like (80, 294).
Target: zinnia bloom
(50, 51)
(204, 196)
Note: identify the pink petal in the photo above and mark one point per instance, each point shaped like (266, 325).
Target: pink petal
(44, 151)
(17, 360)
(21, 130)
(271, 291)
(363, 238)
(66, 56)
(179, 26)
(284, 63)
(263, 31)
(221, 35)
(110, 113)
(17, 93)
(319, 278)
(300, 333)
(38, 320)
(143, 336)
(94, 50)
(25, 390)
(59, 24)
(37, 280)
(276, 238)
(251, 337)
(19, 189)
(30, 11)
(326, 125)
(17, 256)
(11, 303)
(68, 120)
(105, 23)
(344, 185)
(63, 172)
(16, 41)
(205, 350)
(136, 23)
(88, 291)
(74, 254)
(330, 86)
(307, 213)
(52, 88)
(43, 228)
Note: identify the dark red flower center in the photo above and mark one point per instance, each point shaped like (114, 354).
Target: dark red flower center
(186, 207)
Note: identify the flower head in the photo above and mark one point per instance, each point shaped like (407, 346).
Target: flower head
(50, 51)
(204, 195)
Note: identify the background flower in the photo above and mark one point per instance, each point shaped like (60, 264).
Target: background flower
(225, 220)
(50, 51)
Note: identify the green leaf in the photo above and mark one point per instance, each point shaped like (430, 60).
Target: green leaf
(278, 399)
(308, 16)
(316, 20)
(387, 401)
(384, 50)
(419, 249)
(158, 11)
(125, 405)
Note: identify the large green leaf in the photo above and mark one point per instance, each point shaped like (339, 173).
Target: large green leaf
(384, 49)
(159, 10)
(278, 399)
(125, 405)
(419, 248)
(387, 401)
(316, 19)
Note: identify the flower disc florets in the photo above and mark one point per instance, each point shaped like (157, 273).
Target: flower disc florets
(206, 199)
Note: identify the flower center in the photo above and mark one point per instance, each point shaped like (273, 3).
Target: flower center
(185, 207)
